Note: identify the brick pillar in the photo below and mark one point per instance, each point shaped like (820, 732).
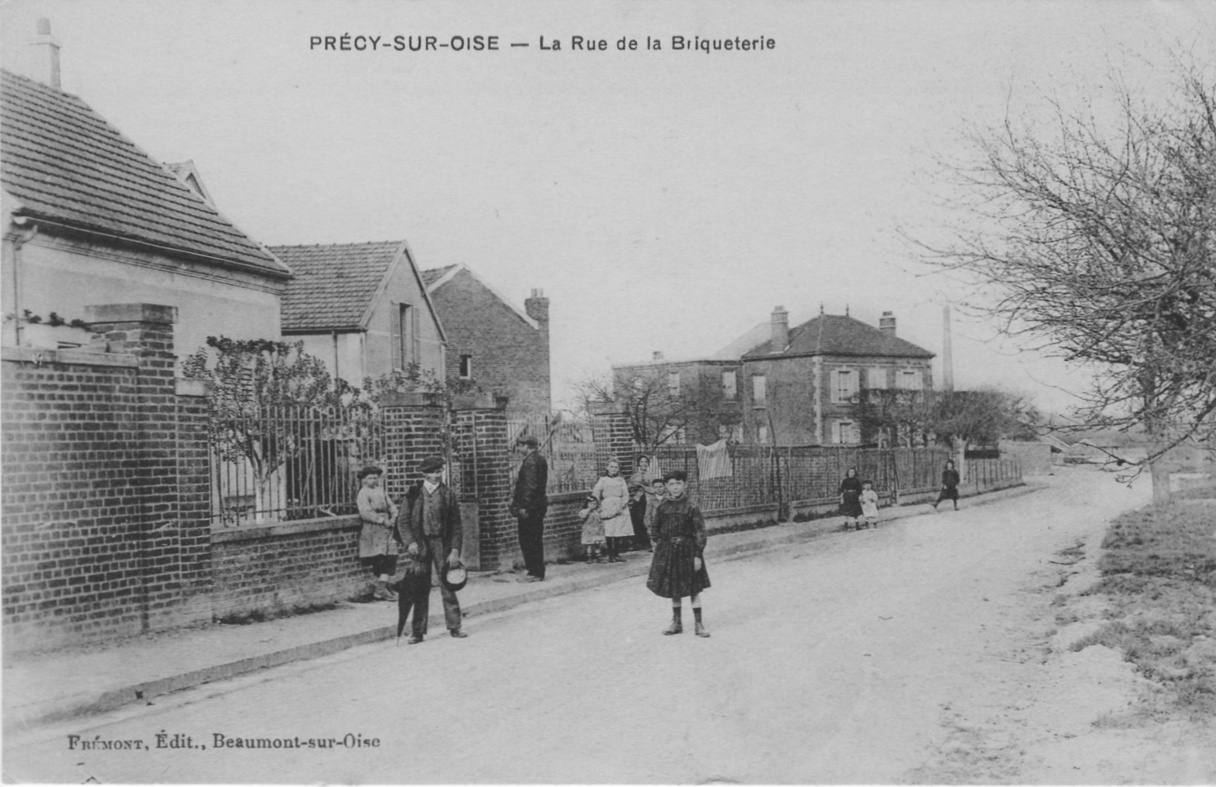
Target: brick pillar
(145, 331)
(482, 421)
(413, 429)
(194, 498)
(613, 435)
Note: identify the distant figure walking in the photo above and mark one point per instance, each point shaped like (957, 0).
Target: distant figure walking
(850, 498)
(950, 481)
(638, 502)
(377, 548)
(678, 567)
(613, 495)
(529, 505)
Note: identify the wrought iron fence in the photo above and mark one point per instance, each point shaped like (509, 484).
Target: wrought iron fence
(567, 445)
(284, 463)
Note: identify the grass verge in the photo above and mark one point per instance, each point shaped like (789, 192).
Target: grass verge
(1158, 574)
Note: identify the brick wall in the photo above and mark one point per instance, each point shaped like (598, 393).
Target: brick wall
(95, 537)
(286, 566)
(509, 356)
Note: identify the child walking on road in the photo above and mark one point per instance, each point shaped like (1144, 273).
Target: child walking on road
(678, 569)
(950, 480)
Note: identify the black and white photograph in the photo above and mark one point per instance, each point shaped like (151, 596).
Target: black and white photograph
(618, 392)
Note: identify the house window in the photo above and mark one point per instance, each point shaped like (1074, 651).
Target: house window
(673, 383)
(405, 336)
(876, 378)
(466, 367)
(845, 432)
(762, 435)
(729, 390)
(846, 386)
(910, 379)
(758, 390)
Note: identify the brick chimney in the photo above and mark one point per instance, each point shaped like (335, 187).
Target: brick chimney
(781, 330)
(44, 62)
(886, 323)
(537, 308)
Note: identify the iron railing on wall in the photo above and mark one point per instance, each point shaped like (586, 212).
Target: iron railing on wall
(285, 463)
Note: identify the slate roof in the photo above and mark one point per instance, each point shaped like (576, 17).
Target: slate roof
(67, 166)
(333, 285)
(833, 334)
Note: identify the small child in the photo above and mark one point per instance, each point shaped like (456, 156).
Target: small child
(593, 530)
(869, 503)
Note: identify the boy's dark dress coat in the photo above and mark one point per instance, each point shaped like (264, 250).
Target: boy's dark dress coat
(678, 531)
(950, 480)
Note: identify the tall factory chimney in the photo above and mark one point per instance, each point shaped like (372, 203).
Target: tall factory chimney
(947, 352)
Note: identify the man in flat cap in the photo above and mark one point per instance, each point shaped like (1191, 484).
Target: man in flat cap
(429, 529)
(529, 505)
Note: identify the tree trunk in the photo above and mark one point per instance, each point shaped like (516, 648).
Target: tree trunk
(1159, 471)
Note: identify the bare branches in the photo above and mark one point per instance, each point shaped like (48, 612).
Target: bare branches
(1097, 240)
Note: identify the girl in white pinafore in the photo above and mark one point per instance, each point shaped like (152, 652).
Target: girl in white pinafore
(613, 493)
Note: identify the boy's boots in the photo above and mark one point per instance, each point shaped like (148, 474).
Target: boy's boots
(700, 628)
(677, 626)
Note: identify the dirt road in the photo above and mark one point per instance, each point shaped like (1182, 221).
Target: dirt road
(927, 650)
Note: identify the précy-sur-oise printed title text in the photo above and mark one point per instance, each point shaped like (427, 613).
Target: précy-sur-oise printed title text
(355, 42)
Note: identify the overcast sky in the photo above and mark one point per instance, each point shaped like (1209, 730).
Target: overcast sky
(664, 200)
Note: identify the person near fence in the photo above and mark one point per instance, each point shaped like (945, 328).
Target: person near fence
(850, 498)
(593, 530)
(377, 548)
(678, 567)
(656, 492)
(529, 504)
(637, 502)
(869, 503)
(612, 492)
(430, 529)
(950, 481)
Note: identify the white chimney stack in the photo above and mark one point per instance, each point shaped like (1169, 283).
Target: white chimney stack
(44, 63)
(781, 330)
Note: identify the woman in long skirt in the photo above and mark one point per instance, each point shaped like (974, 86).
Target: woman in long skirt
(850, 498)
(678, 568)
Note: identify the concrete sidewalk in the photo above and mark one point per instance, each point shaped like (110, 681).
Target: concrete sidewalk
(64, 684)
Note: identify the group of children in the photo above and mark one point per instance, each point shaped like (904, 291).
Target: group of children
(858, 501)
(594, 539)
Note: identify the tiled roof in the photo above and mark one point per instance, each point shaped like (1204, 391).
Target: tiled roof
(333, 285)
(66, 165)
(433, 275)
(833, 334)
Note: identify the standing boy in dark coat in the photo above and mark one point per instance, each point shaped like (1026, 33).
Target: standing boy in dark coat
(430, 529)
(529, 505)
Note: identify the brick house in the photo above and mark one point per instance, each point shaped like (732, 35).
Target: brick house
(90, 219)
(362, 308)
(802, 383)
(504, 349)
(798, 384)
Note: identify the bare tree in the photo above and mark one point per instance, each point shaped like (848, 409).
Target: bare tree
(660, 412)
(1097, 239)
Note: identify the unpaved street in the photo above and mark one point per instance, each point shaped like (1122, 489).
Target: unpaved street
(920, 651)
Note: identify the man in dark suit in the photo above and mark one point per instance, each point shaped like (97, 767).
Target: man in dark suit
(430, 530)
(529, 505)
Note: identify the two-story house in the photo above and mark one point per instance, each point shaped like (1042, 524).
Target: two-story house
(362, 308)
(799, 386)
(491, 342)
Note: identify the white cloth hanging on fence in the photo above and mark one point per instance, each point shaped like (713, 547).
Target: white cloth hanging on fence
(713, 461)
